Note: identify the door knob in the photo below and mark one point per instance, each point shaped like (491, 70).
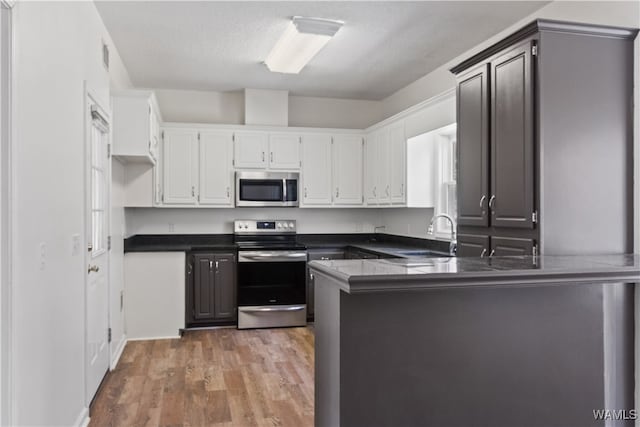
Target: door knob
(93, 268)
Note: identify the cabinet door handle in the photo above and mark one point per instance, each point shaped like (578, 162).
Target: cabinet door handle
(484, 251)
(337, 192)
(492, 201)
(312, 277)
(228, 192)
(374, 192)
(210, 265)
(263, 156)
(324, 258)
(217, 265)
(271, 157)
(482, 199)
(193, 191)
(402, 189)
(386, 190)
(493, 251)
(305, 192)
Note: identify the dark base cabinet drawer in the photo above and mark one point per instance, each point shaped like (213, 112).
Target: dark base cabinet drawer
(481, 245)
(506, 246)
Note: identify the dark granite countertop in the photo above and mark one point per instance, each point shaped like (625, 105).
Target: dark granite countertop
(380, 244)
(376, 275)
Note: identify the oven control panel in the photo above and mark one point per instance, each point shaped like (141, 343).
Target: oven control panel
(267, 226)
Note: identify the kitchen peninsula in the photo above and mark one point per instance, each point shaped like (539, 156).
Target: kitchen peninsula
(500, 341)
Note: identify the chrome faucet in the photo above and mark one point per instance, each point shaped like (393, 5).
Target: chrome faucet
(453, 245)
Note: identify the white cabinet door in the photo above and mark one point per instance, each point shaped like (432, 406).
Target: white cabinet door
(284, 151)
(157, 175)
(370, 165)
(251, 150)
(347, 170)
(180, 166)
(216, 172)
(383, 153)
(398, 167)
(316, 170)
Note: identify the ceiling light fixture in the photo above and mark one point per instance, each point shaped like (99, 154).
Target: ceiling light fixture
(302, 40)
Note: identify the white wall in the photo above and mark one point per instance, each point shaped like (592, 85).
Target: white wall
(116, 257)
(330, 112)
(191, 106)
(58, 46)
(210, 221)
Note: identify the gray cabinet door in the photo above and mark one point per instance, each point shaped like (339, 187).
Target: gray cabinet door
(512, 151)
(506, 246)
(473, 147)
(203, 286)
(473, 245)
(225, 287)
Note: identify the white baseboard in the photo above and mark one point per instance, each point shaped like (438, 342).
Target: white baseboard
(116, 357)
(83, 418)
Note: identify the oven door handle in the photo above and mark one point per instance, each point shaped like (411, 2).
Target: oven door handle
(272, 256)
(272, 309)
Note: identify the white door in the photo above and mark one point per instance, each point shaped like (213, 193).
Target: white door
(347, 170)
(180, 166)
(284, 151)
(97, 220)
(316, 170)
(370, 169)
(383, 153)
(250, 150)
(216, 173)
(398, 166)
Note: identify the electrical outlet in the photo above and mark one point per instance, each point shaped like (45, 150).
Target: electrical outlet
(43, 255)
(172, 227)
(75, 245)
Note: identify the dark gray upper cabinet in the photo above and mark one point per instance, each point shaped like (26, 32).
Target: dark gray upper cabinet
(559, 124)
(473, 146)
(472, 245)
(512, 161)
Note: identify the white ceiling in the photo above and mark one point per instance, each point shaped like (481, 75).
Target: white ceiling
(382, 47)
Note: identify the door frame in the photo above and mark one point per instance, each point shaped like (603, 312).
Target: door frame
(7, 150)
(89, 99)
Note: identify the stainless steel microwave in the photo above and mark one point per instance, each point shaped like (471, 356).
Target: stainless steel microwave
(267, 189)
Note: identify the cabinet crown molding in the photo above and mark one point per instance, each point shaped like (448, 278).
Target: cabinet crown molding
(540, 25)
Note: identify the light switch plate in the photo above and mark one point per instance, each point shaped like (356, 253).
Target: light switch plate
(75, 245)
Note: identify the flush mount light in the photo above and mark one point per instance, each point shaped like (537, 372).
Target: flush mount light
(302, 40)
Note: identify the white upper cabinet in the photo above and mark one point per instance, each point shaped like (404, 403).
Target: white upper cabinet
(216, 171)
(347, 170)
(284, 151)
(398, 164)
(370, 161)
(383, 167)
(136, 126)
(316, 170)
(180, 166)
(251, 150)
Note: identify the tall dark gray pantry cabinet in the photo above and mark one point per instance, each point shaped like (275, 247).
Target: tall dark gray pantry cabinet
(545, 142)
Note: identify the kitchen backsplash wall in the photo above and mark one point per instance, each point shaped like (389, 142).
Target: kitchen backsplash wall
(411, 222)
(211, 221)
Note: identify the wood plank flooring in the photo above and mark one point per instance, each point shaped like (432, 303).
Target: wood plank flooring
(220, 377)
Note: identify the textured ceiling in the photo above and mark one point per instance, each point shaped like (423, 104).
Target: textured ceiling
(382, 47)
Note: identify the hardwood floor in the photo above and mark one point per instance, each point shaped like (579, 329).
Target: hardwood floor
(221, 377)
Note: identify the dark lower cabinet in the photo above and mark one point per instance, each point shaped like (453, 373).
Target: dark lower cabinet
(318, 255)
(211, 289)
(472, 245)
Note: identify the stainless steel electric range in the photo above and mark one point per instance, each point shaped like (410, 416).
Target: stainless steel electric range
(271, 274)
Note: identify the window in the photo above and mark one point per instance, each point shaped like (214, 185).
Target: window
(446, 180)
(99, 168)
